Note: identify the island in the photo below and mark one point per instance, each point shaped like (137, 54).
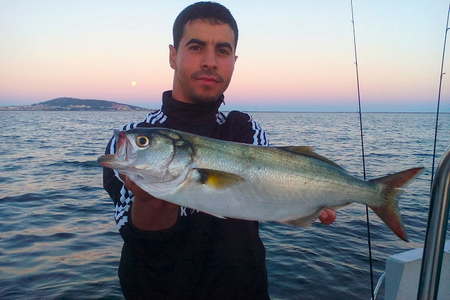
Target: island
(75, 104)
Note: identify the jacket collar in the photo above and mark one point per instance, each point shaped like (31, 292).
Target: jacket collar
(195, 113)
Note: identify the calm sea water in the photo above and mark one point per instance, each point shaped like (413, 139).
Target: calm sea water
(58, 239)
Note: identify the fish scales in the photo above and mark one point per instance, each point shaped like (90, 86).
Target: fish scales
(294, 173)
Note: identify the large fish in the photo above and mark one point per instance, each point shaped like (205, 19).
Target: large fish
(228, 179)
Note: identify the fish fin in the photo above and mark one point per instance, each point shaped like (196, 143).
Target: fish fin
(308, 151)
(298, 149)
(389, 211)
(218, 179)
(303, 221)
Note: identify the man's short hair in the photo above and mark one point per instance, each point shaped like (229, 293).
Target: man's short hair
(211, 11)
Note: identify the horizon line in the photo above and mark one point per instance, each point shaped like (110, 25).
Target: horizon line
(244, 110)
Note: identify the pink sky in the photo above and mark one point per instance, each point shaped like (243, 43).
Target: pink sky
(299, 56)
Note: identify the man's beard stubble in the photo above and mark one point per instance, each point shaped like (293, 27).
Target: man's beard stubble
(199, 99)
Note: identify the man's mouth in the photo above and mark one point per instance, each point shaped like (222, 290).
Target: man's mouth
(208, 79)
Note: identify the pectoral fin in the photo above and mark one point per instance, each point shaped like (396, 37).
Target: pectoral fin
(217, 179)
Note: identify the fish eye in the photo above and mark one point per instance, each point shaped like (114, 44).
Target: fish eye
(142, 141)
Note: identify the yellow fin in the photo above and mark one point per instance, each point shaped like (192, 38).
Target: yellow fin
(218, 179)
(308, 151)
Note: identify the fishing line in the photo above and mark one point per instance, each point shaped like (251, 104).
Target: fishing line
(362, 150)
(432, 255)
(439, 100)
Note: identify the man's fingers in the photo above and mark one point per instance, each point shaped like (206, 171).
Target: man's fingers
(123, 177)
(127, 182)
(135, 189)
(327, 216)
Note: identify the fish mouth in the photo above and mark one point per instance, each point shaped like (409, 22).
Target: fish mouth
(120, 158)
(112, 161)
(107, 160)
(121, 146)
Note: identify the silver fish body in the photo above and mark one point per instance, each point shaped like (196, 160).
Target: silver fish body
(288, 184)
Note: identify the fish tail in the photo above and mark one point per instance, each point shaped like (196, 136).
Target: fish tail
(388, 211)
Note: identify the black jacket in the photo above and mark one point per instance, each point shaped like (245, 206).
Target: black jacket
(201, 256)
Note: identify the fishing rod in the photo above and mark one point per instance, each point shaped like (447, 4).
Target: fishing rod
(439, 98)
(362, 148)
(438, 211)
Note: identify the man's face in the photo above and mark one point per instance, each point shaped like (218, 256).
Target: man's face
(203, 62)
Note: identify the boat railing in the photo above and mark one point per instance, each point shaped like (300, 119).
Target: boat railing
(436, 232)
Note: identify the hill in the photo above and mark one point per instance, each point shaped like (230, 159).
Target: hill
(75, 104)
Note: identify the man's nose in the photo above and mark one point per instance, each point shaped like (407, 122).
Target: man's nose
(209, 59)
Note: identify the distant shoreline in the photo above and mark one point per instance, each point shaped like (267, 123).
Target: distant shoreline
(226, 111)
(77, 110)
(74, 104)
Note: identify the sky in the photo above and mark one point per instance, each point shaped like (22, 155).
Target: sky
(294, 55)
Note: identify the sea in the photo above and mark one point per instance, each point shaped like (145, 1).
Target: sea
(58, 239)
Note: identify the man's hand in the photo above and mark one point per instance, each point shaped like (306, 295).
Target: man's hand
(150, 213)
(327, 216)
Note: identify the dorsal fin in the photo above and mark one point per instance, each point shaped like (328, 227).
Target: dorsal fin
(308, 151)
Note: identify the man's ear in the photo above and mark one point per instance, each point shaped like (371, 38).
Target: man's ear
(172, 56)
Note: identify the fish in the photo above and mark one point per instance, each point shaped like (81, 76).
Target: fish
(288, 184)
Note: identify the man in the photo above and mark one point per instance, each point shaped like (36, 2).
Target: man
(172, 252)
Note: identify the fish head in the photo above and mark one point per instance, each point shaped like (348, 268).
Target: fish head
(156, 154)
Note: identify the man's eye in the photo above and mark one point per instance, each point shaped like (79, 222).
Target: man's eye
(224, 51)
(194, 48)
